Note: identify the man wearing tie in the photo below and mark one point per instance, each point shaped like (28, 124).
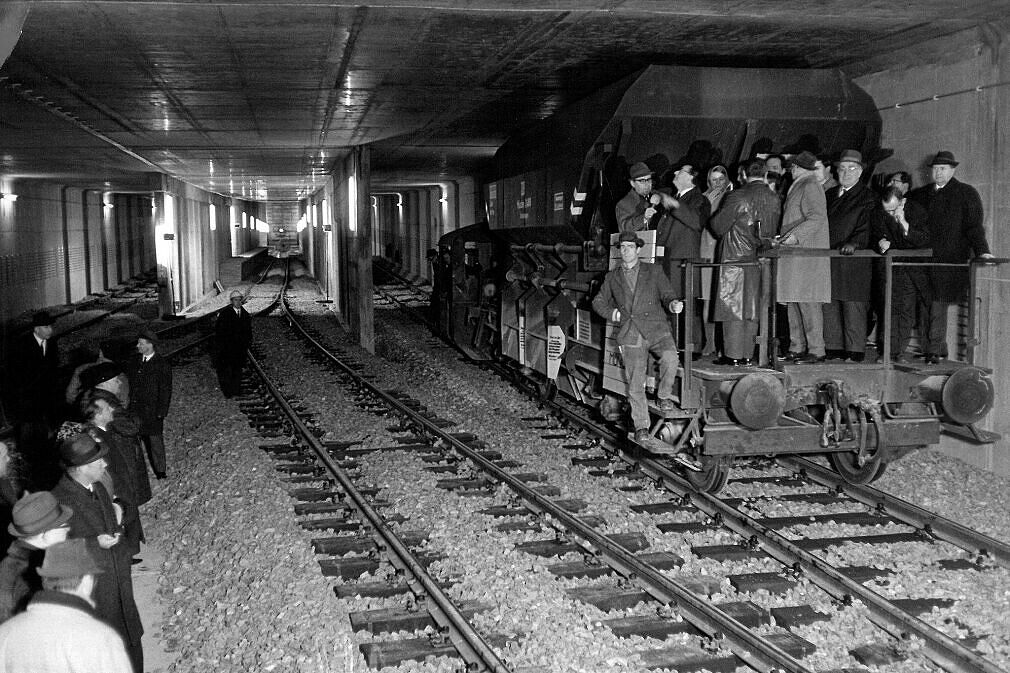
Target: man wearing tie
(233, 336)
(850, 210)
(34, 369)
(151, 395)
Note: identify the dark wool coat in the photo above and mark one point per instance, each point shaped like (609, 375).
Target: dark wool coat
(18, 579)
(644, 310)
(150, 392)
(35, 379)
(679, 232)
(885, 226)
(93, 515)
(746, 216)
(232, 334)
(849, 219)
(956, 232)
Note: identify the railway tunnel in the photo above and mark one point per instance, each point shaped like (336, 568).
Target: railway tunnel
(123, 156)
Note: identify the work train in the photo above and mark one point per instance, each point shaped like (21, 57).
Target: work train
(518, 287)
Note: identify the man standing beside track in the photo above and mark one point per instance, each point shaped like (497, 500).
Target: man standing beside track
(635, 296)
(151, 388)
(233, 336)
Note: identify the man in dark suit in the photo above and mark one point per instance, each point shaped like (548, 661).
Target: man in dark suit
(850, 210)
(34, 375)
(679, 232)
(151, 396)
(636, 295)
(903, 226)
(99, 521)
(956, 232)
(233, 336)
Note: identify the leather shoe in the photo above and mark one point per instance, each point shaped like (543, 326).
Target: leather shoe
(932, 359)
(665, 405)
(161, 475)
(853, 356)
(641, 435)
(809, 359)
(733, 362)
(792, 355)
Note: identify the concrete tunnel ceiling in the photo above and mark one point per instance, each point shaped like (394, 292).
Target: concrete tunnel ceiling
(258, 99)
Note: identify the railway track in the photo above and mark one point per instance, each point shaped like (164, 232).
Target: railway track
(715, 635)
(807, 554)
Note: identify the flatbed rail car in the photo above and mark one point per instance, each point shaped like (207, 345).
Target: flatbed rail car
(861, 415)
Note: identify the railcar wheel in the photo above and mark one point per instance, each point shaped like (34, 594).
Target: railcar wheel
(847, 465)
(712, 478)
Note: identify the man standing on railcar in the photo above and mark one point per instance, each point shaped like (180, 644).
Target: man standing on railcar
(804, 283)
(956, 231)
(679, 232)
(635, 296)
(233, 337)
(850, 210)
(638, 209)
(151, 388)
(903, 226)
(747, 216)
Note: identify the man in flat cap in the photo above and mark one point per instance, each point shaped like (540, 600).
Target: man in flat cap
(636, 296)
(36, 401)
(233, 337)
(60, 630)
(38, 522)
(151, 392)
(99, 521)
(804, 283)
(955, 220)
(851, 208)
(639, 208)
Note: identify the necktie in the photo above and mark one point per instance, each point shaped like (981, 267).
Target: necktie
(44, 347)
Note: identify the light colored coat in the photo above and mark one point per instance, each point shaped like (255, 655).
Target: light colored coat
(60, 634)
(805, 215)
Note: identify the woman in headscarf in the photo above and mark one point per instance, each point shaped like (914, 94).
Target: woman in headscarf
(719, 185)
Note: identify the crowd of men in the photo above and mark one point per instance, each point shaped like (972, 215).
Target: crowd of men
(830, 302)
(73, 477)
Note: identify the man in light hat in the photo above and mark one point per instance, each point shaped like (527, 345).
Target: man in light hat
(638, 209)
(804, 283)
(38, 522)
(636, 296)
(151, 391)
(233, 337)
(97, 519)
(956, 232)
(851, 207)
(60, 631)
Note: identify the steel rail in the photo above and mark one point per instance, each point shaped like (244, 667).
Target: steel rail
(940, 648)
(749, 647)
(932, 523)
(470, 644)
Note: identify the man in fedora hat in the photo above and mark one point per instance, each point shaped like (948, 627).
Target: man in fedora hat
(38, 522)
(97, 519)
(36, 401)
(59, 631)
(955, 221)
(233, 337)
(636, 296)
(804, 283)
(151, 391)
(850, 209)
(638, 209)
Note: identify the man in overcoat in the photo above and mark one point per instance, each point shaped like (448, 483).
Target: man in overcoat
(36, 401)
(747, 216)
(151, 392)
(98, 520)
(636, 296)
(804, 283)
(851, 208)
(233, 336)
(956, 231)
